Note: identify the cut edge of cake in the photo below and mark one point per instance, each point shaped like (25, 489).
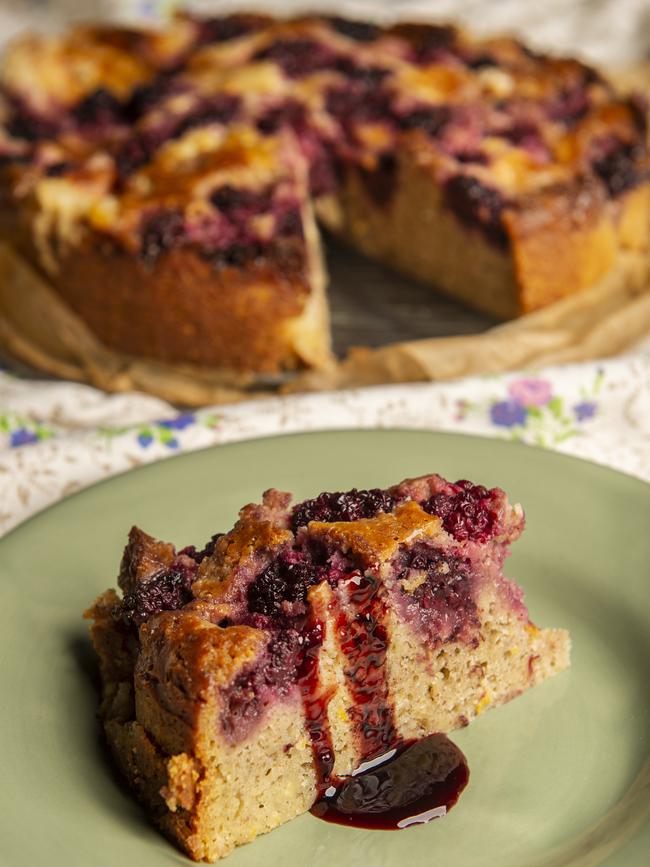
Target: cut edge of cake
(228, 719)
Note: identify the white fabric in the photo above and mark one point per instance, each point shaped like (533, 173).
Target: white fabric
(56, 438)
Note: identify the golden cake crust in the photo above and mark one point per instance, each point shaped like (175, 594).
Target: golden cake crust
(211, 702)
(413, 142)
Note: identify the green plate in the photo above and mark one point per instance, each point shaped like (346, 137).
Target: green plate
(561, 776)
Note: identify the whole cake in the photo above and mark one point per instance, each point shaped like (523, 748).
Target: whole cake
(243, 681)
(166, 181)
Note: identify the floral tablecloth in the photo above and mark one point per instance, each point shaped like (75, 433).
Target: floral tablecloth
(56, 438)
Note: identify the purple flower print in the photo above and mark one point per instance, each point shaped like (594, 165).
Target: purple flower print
(584, 410)
(180, 422)
(530, 392)
(145, 439)
(508, 413)
(22, 437)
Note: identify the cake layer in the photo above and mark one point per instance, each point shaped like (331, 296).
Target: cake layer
(151, 150)
(550, 246)
(212, 248)
(251, 318)
(242, 680)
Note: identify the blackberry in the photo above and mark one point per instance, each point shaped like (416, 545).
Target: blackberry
(168, 591)
(160, 233)
(618, 170)
(342, 506)
(358, 31)
(99, 108)
(477, 205)
(297, 57)
(466, 511)
(430, 120)
(286, 579)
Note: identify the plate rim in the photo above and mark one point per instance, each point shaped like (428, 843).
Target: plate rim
(150, 465)
(610, 858)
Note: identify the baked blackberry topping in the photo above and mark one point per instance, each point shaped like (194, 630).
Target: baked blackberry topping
(99, 108)
(278, 670)
(221, 109)
(237, 255)
(286, 580)
(570, 106)
(381, 182)
(284, 652)
(14, 159)
(477, 158)
(131, 156)
(367, 76)
(478, 205)
(481, 61)
(466, 510)
(55, 170)
(342, 506)
(228, 27)
(240, 200)
(146, 96)
(160, 233)
(28, 125)
(358, 104)
(289, 223)
(290, 113)
(244, 699)
(298, 57)
(619, 169)
(524, 134)
(326, 171)
(430, 42)
(438, 590)
(358, 31)
(140, 148)
(167, 591)
(206, 551)
(430, 120)
(324, 168)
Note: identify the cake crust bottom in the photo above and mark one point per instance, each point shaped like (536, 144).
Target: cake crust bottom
(555, 245)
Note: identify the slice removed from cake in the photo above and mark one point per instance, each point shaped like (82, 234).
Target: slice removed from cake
(242, 680)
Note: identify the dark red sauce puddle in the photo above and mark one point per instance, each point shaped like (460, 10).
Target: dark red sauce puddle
(409, 783)
(315, 701)
(418, 782)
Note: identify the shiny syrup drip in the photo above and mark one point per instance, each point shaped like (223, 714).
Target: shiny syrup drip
(409, 783)
(315, 701)
(419, 781)
(364, 641)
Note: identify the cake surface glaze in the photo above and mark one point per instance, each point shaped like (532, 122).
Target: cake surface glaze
(165, 182)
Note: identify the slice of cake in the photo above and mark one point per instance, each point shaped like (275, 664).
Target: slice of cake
(243, 680)
(172, 226)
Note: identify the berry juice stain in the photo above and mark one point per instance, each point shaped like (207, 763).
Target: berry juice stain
(410, 785)
(363, 639)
